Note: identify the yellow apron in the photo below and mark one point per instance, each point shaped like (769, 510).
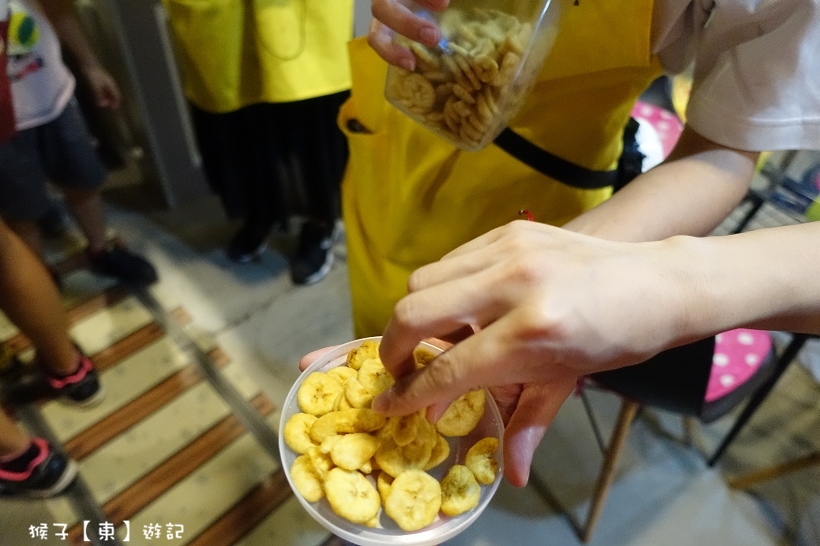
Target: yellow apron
(409, 197)
(239, 52)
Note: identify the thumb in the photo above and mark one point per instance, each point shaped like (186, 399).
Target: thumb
(536, 410)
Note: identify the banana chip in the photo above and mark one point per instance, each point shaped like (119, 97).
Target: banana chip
(481, 460)
(345, 422)
(383, 484)
(327, 444)
(460, 491)
(297, 432)
(405, 428)
(439, 454)
(318, 393)
(343, 404)
(367, 467)
(368, 349)
(351, 496)
(357, 395)
(422, 356)
(345, 447)
(354, 450)
(322, 463)
(342, 373)
(414, 500)
(463, 414)
(306, 480)
(374, 376)
(395, 459)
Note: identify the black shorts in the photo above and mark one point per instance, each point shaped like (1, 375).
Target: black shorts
(59, 151)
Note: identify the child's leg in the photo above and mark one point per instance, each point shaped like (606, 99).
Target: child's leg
(29, 232)
(29, 466)
(13, 441)
(72, 163)
(86, 206)
(30, 299)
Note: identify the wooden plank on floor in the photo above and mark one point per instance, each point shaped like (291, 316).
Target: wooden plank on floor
(83, 310)
(247, 513)
(159, 480)
(127, 346)
(179, 465)
(128, 415)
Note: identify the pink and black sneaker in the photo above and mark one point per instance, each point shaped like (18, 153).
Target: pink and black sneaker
(40, 472)
(81, 388)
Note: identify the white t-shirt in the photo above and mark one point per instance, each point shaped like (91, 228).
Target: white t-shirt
(757, 68)
(41, 84)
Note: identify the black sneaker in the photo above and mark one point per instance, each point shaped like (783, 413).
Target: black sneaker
(81, 388)
(48, 474)
(249, 242)
(10, 366)
(54, 224)
(116, 261)
(314, 255)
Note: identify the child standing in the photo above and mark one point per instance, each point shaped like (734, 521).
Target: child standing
(52, 141)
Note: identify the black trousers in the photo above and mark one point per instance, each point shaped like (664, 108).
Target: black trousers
(269, 161)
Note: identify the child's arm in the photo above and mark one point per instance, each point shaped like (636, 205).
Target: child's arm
(62, 17)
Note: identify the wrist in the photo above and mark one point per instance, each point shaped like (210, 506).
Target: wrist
(686, 288)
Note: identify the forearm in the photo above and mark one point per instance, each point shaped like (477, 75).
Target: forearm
(62, 17)
(689, 194)
(763, 279)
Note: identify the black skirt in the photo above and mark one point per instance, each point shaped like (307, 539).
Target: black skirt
(269, 161)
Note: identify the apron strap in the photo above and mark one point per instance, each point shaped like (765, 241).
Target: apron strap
(567, 172)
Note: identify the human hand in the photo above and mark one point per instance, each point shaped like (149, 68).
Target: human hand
(312, 356)
(523, 411)
(390, 17)
(103, 86)
(551, 305)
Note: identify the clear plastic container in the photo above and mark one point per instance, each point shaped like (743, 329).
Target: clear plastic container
(388, 533)
(468, 87)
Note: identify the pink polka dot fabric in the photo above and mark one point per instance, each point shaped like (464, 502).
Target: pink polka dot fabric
(738, 355)
(665, 123)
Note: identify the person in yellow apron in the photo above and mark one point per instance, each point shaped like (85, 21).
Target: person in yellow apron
(409, 197)
(265, 79)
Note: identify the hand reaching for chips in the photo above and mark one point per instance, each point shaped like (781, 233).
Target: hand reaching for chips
(362, 462)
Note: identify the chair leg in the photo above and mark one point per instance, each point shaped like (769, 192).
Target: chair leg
(625, 417)
(742, 482)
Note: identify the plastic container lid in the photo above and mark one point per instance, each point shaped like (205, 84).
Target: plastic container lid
(468, 87)
(389, 533)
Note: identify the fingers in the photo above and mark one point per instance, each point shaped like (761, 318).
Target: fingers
(482, 360)
(453, 268)
(536, 410)
(391, 17)
(448, 340)
(441, 311)
(311, 357)
(403, 21)
(108, 98)
(113, 97)
(380, 39)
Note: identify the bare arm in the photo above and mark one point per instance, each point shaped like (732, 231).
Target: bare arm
(765, 279)
(689, 194)
(61, 15)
